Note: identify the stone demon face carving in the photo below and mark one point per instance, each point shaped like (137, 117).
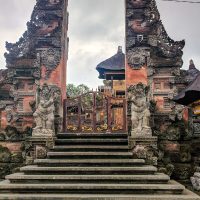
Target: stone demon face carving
(138, 90)
(137, 57)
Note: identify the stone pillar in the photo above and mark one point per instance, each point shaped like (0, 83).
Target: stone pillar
(141, 141)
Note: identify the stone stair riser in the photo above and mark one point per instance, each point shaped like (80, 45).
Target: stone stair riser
(91, 142)
(92, 135)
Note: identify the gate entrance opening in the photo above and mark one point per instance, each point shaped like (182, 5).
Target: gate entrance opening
(95, 112)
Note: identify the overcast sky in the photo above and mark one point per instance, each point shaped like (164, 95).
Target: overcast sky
(96, 28)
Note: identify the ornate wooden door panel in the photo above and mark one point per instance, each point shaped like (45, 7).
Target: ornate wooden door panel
(94, 112)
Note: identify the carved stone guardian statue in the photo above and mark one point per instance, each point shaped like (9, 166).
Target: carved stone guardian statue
(195, 179)
(46, 109)
(140, 114)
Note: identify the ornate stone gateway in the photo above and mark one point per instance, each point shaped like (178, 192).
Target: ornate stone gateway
(95, 112)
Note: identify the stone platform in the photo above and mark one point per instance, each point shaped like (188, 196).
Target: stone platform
(91, 167)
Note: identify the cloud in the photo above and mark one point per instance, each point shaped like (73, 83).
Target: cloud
(14, 15)
(96, 29)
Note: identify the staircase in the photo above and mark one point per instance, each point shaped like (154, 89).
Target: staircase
(91, 167)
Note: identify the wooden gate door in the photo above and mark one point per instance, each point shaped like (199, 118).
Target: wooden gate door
(94, 112)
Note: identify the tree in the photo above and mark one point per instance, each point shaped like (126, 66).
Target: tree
(74, 91)
(82, 89)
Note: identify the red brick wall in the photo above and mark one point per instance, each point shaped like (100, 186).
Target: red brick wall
(26, 103)
(135, 76)
(3, 120)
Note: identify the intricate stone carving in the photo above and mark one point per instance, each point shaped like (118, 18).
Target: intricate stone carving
(173, 133)
(27, 152)
(137, 57)
(145, 152)
(177, 112)
(2, 104)
(140, 113)
(185, 153)
(29, 62)
(176, 71)
(145, 21)
(57, 99)
(195, 179)
(5, 155)
(168, 169)
(10, 134)
(140, 151)
(44, 114)
(50, 58)
(41, 152)
(48, 105)
(196, 128)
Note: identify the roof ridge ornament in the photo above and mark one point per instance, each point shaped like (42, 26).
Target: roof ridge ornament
(119, 49)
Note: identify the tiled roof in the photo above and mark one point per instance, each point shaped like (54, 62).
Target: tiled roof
(116, 62)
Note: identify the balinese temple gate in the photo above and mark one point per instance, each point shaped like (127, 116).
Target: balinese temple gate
(94, 146)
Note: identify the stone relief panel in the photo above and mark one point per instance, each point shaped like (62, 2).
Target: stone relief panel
(50, 58)
(138, 57)
(145, 29)
(41, 152)
(148, 153)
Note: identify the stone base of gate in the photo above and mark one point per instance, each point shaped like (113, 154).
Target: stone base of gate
(37, 148)
(144, 147)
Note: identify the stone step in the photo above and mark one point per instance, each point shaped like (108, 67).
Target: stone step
(93, 148)
(89, 162)
(32, 169)
(186, 195)
(171, 188)
(91, 135)
(22, 178)
(92, 141)
(96, 155)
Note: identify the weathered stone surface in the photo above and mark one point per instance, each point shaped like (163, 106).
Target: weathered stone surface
(5, 155)
(91, 162)
(140, 114)
(48, 107)
(158, 178)
(106, 178)
(144, 147)
(170, 188)
(85, 170)
(187, 195)
(195, 179)
(182, 171)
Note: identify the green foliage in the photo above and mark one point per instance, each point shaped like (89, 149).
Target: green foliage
(74, 91)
